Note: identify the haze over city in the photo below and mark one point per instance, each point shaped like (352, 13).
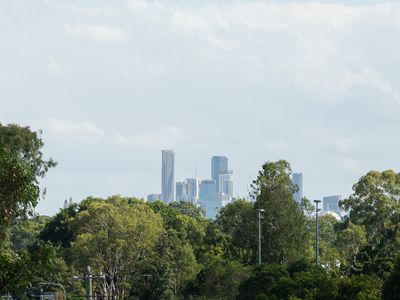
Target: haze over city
(111, 84)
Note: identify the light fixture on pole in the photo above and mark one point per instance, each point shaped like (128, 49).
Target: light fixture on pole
(316, 230)
(55, 284)
(260, 211)
(88, 278)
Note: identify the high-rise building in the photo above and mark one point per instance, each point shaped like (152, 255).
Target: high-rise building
(180, 190)
(188, 190)
(225, 184)
(297, 179)
(331, 203)
(153, 197)
(192, 190)
(212, 207)
(219, 165)
(210, 201)
(167, 176)
(68, 203)
(207, 190)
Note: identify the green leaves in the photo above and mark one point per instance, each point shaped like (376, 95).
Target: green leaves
(114, 237)
(284, 229)
(21, 166)
(375, 206)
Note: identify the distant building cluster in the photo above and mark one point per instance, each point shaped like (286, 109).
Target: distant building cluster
(68, 203)
(209, 194)
(330, 204)
(214, 193)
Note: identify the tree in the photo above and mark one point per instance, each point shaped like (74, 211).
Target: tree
(328, 253)
(298, 280)
(25, 232)
(284, 228)
(175, 264)
(21, 166)
(187, 222)
(375, 206)
(58, 230)
(15, 272)
(306, 282)
(24, 268)
(350, 240)
(307, 207)
(188, 209)
(220, 278)
(391, 287)
(360, 287)
(114, 237)
(261, 280)
(238, 221)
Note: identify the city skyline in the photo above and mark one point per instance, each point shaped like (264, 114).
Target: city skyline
(211, 195)
(112, 83)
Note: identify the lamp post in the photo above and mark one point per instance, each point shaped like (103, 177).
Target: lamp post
(260, 211)
(88, 283)
(55, 284)
(88, 277)
(316, 231)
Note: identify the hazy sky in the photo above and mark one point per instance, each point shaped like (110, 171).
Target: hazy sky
(111, 83)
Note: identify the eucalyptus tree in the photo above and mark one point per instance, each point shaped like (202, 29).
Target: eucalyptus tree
(22, 165)
(375, 206)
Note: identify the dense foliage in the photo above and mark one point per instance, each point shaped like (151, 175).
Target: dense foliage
(171, 251)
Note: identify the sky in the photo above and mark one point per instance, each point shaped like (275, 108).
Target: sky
(112, 83)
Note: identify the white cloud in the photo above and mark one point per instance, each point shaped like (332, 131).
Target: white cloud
(319, 49)
(91, 11)
(164, 137)
(277, 146)
(200, 146)
(374, 79)
(343, 143)
(56, 66)
(144, 4)
(81, 130)
(98, 33)
(349, 164)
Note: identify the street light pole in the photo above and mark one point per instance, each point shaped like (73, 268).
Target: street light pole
(88, 278)
(316, 231)
(259, 210)
(55, 284)
(88, 283)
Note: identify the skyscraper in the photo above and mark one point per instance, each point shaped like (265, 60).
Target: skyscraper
(188, 190)
(167, 176)
(219, 165)
(226, 183)
(331, 203)
(153, 197)
(208, 198)
(192, 192)
(297, 179)
(180, 189)
(207, 190)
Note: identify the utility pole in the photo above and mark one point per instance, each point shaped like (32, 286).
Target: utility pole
(316, 231)
(259, 210)
(88, 284)
(88, 278)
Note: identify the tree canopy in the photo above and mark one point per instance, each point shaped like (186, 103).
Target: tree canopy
(171, 251)
(21, 166)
